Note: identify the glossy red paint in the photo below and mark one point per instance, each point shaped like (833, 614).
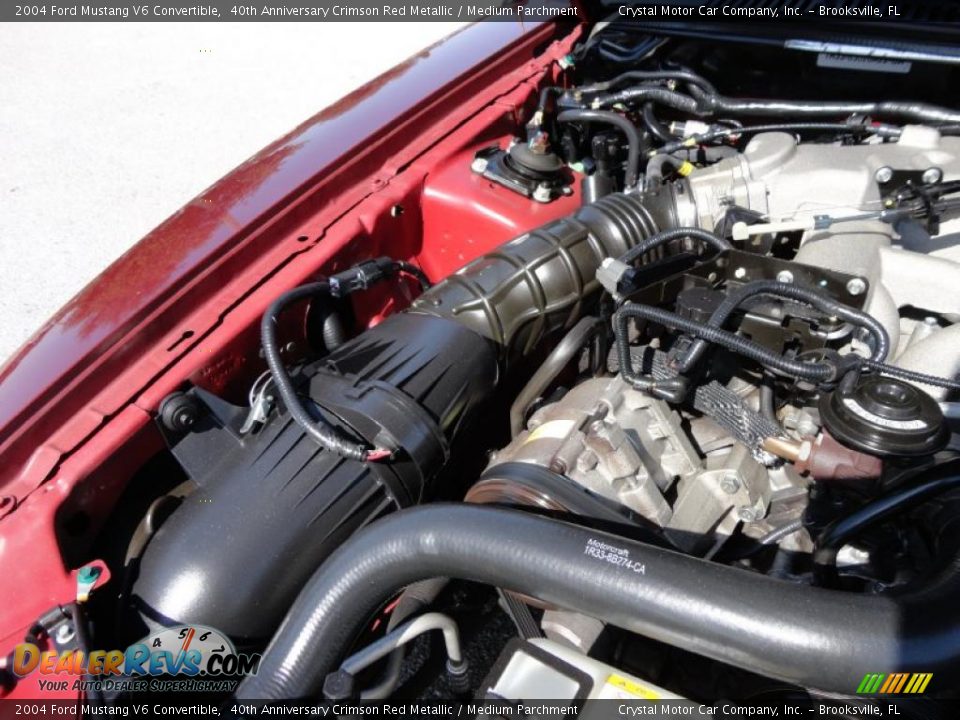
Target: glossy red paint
(141, 298)
(76, 404)
(465, 215)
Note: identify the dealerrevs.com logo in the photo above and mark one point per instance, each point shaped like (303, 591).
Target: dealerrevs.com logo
(189, 658)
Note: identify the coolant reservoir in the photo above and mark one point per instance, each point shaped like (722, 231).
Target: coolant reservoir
(547, 670)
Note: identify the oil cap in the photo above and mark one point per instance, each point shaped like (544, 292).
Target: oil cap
(884, 416)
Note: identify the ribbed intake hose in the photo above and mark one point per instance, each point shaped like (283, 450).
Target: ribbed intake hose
(545, 280)
(809, 636)
(414, 384)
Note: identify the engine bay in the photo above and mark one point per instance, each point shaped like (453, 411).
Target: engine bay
(655, 376)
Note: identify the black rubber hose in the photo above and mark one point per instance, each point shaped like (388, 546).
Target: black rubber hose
(821, 302)
(665, 388)
(768, 399)
(616, 53)
(419, 275)
(629, 129)
(648, 93)
(545, 94)
(333, 333)
(809, 636)
(79, 619)
(686, 76)
(817, 371)
(711, 105)
(557, 360)
(655, 169)
(322, 432)
(911, 375)
(933, 482)
(682, 233)
(657, 129)
(707, 104)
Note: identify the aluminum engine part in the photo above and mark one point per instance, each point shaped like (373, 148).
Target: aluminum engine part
(631, 448)
(784, 180)
(904, 267)
(613, 440)
(732, 489)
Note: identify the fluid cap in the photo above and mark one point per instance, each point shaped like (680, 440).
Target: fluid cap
(884, 416)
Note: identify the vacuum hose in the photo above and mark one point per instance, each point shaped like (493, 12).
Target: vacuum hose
(810, 636)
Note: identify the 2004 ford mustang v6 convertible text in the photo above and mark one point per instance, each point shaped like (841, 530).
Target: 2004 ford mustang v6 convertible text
(625, 355)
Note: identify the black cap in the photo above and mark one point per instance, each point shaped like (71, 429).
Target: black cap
(884, 416)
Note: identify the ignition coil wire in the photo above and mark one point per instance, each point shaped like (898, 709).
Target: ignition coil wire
(818, 371)
(792, 292)
(682, 233)
(911, 375)
(318, 429)
(357, 278)
(815, 371)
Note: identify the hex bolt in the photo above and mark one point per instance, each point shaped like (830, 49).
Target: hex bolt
(479, 165)
(740, 273)
(746, 513)
(542, 193)
(932, 175)
(785, 276)
(883, 175)
(856, 286)
(729, 484)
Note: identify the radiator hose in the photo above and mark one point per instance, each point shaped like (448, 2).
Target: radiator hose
(813, 637)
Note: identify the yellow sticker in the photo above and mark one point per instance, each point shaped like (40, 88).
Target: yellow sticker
(623, 688)
(555, 429)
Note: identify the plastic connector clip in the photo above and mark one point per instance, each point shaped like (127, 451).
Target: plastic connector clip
(611, 274)
(362, 276)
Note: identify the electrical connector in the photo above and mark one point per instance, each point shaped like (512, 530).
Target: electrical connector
(362, 276)
(610, 275)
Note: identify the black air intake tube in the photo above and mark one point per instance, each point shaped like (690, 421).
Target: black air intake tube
(276, 503)
(545, 280)
(813, 637)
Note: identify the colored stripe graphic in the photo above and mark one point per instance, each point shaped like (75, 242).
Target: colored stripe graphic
(870, 683)
(894, 683)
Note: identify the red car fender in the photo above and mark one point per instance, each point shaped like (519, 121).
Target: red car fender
(77, 402)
